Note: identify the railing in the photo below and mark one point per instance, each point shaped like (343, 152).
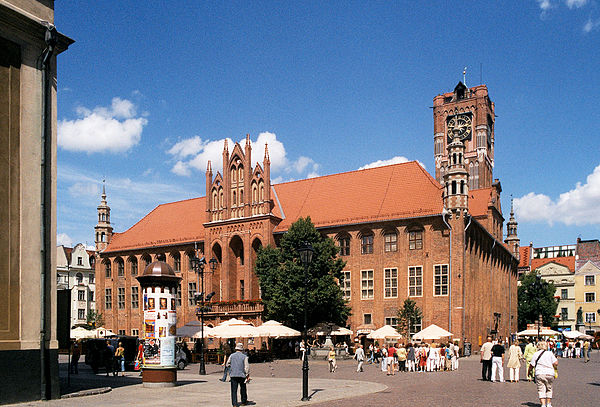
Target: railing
(236, 307)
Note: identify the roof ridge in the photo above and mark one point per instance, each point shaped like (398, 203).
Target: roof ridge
(352, 171)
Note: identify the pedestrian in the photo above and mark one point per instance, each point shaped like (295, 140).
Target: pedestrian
(225, 367)
(391, 371)
(528, 354)
(432, 358)
(514, 362)
(498, 362)
(455, 355)
(239, 373)
(371, 353)
(359, 355)
(410, 358)
(383, 359)
(545, 366)
(75, 354)
(331, 360)
(120, 358)
(401, 358)
(423, 352)
(302, 350)
(585, 350)
(485, 357)
(109, 359)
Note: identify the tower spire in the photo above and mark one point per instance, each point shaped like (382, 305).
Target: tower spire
(267, 159)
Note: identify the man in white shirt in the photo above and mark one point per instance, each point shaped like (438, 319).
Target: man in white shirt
(544, 362)
(485, 355)
(359, 355)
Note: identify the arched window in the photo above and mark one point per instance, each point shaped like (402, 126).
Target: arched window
(79, 278)
(462, 187)
(261, 187)
(344, 244)
(415, 238)
(107, 269)
(161, 257)
(221, 201)
(366, 243)
(120, 268)
(134, 265)
(390, 239)
(241, 174)
(146, 260)
(241, 196)
(215, 200)
(176, 261)
(233, 175)
(453, 187)
(103, 236)
(233, 199)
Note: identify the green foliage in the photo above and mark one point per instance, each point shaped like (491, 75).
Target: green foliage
(94, 319)
(535, 300)
(282, 280)
(408, 316)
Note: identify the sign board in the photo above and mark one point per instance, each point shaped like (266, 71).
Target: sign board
(160, 318)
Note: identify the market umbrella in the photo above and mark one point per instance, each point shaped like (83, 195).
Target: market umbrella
(274, 329)
(190, 329)
(82, 333)
(432, 332)
(325, 328)
(572, 334)
(534, 332)
(198, 334)
(385, 332)
(234, 329)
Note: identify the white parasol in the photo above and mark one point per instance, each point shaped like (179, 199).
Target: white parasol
(385, 332)
(82, 333)
(234, 328)
(324, 328)
(432, 332)
(274, 329)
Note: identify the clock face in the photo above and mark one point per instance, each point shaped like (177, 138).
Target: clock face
(460, 126)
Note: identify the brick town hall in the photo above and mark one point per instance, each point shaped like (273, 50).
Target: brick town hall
(402, 232)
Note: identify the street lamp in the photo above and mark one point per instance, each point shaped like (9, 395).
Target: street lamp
(306, 254)
(198, 267)
(537, 285)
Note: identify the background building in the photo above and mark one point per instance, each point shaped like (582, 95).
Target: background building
(29, 44)
(402, 233)
(75, 273)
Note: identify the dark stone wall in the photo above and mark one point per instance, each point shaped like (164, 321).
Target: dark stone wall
(21, 375)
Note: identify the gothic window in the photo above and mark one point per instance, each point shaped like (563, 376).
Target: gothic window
(346, 285)
(415, 239)
(107, 269)
(366, 244)
(241, 196)
(233, 199)
(233, 175)
(146, 260)
(471, 176)
(79, 278)
(191, 292)
(261, 187)
(344, 243)
(462, 187)
(108, 298)
(134, 266)
(453, 187)
(254, 193)
(476, 177)
(391, 241)
(103, 237)
(366, 284)
(135, 297)
(390, 277)
(176, 262)
(120, 268)
(440, 276)
(415, 281)
(242, 286)
(215, 200)
(121, 298)
(160, 257)
(241, 174)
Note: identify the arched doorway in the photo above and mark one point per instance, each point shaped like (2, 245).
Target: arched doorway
(237, 281)
(216, 282)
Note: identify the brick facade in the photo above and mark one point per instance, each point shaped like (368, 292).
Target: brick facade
(415, 228)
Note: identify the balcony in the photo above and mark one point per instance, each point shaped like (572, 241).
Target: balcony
(233, 309)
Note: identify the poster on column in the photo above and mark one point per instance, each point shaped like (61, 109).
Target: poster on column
(159, 327)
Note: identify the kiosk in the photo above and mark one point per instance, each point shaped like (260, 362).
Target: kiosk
(159, 288)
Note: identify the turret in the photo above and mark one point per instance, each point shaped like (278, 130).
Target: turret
(103, 230)
(456, 178)
(512, 240)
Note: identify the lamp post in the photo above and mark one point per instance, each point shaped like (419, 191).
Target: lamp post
(198, 267)
(537, 285)
(306, 254)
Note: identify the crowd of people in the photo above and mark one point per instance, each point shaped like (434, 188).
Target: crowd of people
(411, 357)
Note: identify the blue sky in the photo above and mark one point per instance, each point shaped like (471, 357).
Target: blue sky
(149, 91)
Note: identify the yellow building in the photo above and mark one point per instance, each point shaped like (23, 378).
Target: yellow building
(587, 297)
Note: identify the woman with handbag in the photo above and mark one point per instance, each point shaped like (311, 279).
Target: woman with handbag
(545, 366)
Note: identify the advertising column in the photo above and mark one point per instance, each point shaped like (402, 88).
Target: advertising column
(159, 286)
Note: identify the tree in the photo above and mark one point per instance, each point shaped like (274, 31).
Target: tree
(535, 296)
(408, 316)
(281, 278)
(94, 319)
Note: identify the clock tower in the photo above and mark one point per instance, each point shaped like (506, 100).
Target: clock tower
(466, 114)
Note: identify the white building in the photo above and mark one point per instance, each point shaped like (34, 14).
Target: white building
(75, 272)
(563, 278)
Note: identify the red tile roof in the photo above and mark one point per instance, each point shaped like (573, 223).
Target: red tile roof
(371, 195)
(568, 261)
(525, 255)
(168, 224)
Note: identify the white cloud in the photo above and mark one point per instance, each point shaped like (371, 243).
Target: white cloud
(80, 189)
(115, 128)
(64, 240)
(576, 3)
(579, 206)
(394, 160)
(194, 154)
(545, 5)
(591, 25)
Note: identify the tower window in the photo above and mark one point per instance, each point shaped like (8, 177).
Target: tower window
(453, 187)
(462, 187)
